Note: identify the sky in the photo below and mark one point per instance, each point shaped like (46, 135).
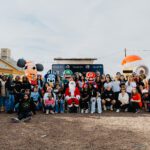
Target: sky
(40, 30)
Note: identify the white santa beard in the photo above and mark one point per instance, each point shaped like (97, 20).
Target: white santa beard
(72, 89)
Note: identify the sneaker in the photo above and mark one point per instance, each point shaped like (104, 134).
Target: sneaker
(82, 111)
(137, 111)
(118, 110)
(111, 107)
(26, 119)
(51, 112)
(15, 120)
(105, 108)
(47, 112)
(126, 110)
(86, 111)
(2, 109)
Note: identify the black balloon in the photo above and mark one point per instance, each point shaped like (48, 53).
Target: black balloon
(39, 67)
(21, 63)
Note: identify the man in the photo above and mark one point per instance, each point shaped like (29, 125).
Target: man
(108, 99)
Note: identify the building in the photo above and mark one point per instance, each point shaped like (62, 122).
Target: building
(7, 64)
(81, 65)
(75, 60)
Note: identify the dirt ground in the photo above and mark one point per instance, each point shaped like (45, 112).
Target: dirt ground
(110, 131)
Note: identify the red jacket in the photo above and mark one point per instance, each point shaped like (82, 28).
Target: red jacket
(137, 97)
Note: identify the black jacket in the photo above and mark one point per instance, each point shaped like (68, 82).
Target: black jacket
(108, 94)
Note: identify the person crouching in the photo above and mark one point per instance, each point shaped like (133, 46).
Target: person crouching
(108, 99)
(135, 102)
(123, 101)
(49, 103)
(24, 110)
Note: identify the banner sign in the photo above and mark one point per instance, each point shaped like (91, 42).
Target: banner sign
(59, 68)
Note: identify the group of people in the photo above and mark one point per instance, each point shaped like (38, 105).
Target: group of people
(77, 94)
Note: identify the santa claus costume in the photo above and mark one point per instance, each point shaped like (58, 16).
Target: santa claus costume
(72, 96)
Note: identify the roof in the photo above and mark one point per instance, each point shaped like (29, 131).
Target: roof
(59, 58)
(12, 63)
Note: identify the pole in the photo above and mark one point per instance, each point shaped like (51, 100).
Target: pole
(125, 52)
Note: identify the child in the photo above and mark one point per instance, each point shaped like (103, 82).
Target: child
(35, 96)
(49, 102)
(59, 105)
(24, 113)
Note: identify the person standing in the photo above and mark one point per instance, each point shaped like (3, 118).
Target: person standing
(95, 98)
(3, 93)
(11, 99)
(85, 99)
(17, 91)
(130, 84)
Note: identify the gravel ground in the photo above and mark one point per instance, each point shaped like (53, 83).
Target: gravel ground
(109, 131)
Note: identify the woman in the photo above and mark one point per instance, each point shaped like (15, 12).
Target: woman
(130, 84)
(59, 102)
(40, 84)
(36, 99)
(108, 82)
(25, 84)
(146, 99)
(103, 80)
(24, 113)
(17, 89)
(99, 84)
(10, 91)
(45, 87)
(95, 98)
(81, 82)
(3, 93)
(122, 81)
(116, 87)
(123, 101)
(135, 102)
(85, 99)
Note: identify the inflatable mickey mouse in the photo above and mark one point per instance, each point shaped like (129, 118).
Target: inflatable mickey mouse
(30, 69)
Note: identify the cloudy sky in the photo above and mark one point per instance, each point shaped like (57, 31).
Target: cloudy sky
(40, 30)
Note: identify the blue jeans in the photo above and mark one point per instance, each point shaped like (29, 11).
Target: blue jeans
(9, 103)
(39, 106)
(59, 106)
(2, 101)
(93, 104)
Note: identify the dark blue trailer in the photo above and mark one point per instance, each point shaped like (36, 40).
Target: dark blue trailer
(83, 68)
